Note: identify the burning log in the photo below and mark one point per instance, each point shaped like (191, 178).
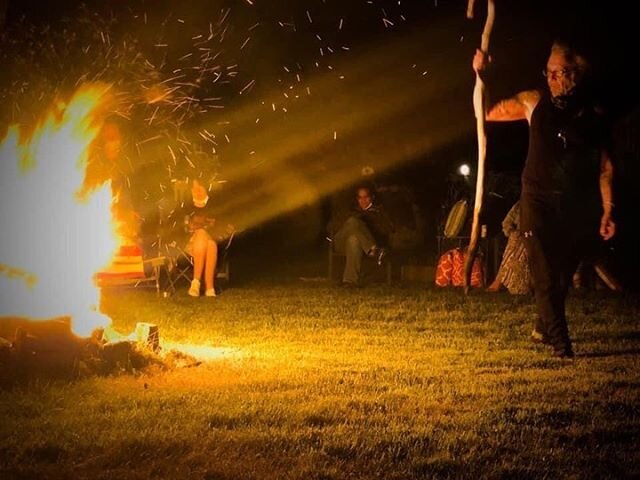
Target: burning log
(147, 335)
(130, 352)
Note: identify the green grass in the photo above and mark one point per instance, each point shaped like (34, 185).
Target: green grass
(319, 383)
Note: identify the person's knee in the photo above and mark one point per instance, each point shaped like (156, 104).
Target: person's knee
(200, 243)
(354, 222)
(353, 242)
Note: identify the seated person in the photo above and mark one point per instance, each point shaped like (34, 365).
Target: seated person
(200, 221)
(360, 231)
(514, 273)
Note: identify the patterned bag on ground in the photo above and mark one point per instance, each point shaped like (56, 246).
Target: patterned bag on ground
(444, 269)
(450, 270)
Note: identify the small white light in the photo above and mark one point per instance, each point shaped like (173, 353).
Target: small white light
(464, 169)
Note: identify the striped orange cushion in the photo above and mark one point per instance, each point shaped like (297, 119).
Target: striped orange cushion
(127, 263)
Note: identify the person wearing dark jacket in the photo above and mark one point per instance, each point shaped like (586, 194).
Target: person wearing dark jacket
(364, 230)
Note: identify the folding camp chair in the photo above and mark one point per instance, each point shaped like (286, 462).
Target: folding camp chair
(129, 268)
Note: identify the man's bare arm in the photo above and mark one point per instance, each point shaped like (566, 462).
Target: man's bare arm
(607, 225)
(519, 107)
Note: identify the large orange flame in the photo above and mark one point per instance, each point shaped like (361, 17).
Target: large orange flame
(52, 241)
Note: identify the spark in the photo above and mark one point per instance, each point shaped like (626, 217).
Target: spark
(244, 44)
(247, 86)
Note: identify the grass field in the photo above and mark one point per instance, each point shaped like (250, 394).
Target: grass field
(314, 382)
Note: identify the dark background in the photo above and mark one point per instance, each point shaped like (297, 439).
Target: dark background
(402, 107)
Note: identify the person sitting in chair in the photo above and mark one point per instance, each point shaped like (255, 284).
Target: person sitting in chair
(200, 222)
(362, 231)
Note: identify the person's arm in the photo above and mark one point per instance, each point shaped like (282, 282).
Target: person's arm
(518, 107)
(607, 225)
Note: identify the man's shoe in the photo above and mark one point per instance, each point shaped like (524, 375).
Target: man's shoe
(210, 293)
(194, 289)
(539, 338)
(563, 352)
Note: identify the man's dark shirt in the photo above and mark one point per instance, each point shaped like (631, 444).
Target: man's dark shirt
(562, 169)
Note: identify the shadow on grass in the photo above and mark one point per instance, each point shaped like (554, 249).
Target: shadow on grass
(625, 334)
(610, 353)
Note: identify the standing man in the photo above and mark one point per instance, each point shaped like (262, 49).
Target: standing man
(567, 196)
(362, 231)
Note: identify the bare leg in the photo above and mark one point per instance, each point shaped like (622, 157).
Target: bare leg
(495, 285)
(200, 241)
(211, 259)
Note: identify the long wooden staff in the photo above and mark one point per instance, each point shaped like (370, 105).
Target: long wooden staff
(479, 102)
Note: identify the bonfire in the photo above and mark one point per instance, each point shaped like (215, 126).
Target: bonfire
(61, 234)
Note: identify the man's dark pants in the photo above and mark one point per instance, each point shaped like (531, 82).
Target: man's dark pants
(555, 243)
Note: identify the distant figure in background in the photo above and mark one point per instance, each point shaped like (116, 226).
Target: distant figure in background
(514, 273)
(364, 230)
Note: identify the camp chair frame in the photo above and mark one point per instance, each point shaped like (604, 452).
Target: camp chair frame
(181, 265)
(152, 272)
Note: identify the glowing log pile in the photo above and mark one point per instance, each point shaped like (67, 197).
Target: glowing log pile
(49, 349)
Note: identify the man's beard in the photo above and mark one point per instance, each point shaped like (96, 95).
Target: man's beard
(567, 99)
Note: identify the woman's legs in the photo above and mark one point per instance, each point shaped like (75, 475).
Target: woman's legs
(205, 255)
(211, 258)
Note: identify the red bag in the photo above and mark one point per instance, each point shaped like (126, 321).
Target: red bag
(444, 269)
(450, 269)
